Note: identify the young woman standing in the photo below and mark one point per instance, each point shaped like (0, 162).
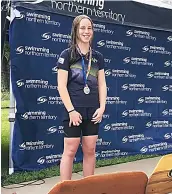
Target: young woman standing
(82, 88)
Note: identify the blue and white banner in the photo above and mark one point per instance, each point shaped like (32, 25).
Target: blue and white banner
(138, 68)
(132, 13)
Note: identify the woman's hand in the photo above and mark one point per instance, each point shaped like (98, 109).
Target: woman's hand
(97, 116)
(75, 118)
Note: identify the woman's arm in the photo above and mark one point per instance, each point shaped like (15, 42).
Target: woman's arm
(62, 88)
(75, 117)
(102, 89)
(97, 116)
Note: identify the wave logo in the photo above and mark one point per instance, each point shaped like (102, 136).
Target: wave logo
(22, 146)
(125, 113)
(145, 48)
(129, 33)
(107, 127)
(169, 39)
(165, 112)
(41, 99)
(54, 69)
(141, 100)
(167, 63)
(150, 75)
(50, 159)
(46, 36)
(19, 50)
(52, 129)
(168, 136)
(144, 149)
(124, 87)
(125, 139)
(100, 43)
(24, 116)
(108, 72)
(126, 60)
(165, 88)
(21, 15)
(148, 124)
(20, 83)
(41, 160)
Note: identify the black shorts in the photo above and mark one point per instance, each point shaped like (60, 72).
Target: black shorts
(86, 112)
(86, 128)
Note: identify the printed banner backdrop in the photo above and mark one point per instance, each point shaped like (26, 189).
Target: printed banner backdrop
(138, 68)
(119, 12)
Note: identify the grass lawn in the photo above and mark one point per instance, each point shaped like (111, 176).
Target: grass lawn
(5, 136)
(46, 173)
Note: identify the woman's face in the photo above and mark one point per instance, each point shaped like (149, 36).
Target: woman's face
(85, 31)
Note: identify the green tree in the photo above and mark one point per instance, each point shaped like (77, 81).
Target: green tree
(5, 69)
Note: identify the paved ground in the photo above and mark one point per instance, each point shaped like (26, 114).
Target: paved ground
(145, 165)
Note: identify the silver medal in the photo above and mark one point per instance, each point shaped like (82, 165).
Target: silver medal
(86, 90)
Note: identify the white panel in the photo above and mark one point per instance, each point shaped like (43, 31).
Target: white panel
(159, 3)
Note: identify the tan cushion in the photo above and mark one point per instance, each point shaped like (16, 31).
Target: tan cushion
(160, 182)
(114, 183)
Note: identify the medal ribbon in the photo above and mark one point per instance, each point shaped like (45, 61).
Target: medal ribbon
(85, 75)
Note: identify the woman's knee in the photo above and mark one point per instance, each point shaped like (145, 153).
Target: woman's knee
(70, 147)
(89, 150)
(70, 153)
(89, 145)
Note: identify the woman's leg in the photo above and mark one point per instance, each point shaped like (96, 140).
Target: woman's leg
(88, 147)
(66, 165)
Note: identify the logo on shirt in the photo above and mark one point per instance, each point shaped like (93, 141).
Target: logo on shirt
(61, 60)
(94, 60)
